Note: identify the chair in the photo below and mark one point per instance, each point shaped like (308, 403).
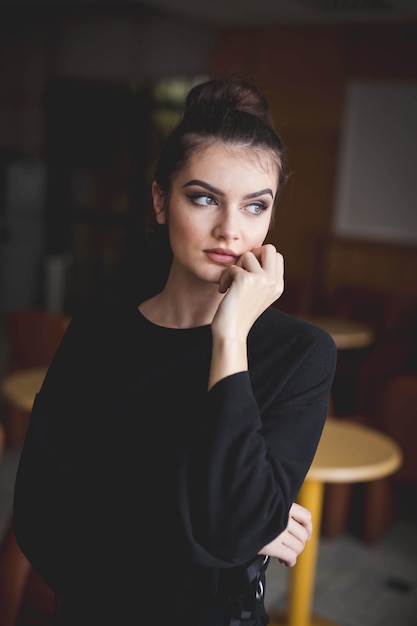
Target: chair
(385, 399)
(33, 336)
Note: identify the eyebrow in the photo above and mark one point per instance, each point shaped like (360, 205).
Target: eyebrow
(201, 183)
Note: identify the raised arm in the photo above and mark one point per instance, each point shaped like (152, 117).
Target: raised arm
(253, 284)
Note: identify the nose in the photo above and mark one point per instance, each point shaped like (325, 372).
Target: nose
(227, 225)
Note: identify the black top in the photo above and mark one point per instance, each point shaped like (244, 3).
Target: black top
(139, 488)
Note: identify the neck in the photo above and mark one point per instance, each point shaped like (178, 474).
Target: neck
(183, 306)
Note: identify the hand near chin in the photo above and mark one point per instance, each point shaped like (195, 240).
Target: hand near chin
(251, 285)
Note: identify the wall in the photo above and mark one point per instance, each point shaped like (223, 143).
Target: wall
(96, 44)
(305, 71)
(115, 50)
(377, 185)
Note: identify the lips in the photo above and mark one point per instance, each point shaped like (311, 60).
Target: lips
(221, 256)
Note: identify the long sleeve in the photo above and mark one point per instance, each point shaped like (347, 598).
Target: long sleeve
(128, 456)
(259, 435)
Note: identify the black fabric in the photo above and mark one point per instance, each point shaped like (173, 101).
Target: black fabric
(136, 485)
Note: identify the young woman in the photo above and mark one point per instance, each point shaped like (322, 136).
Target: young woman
(169, 440)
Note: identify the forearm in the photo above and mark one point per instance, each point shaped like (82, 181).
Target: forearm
(229, 356)
(250, 287)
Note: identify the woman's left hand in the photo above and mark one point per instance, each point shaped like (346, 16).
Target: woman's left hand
(251, 285)
(291, 542)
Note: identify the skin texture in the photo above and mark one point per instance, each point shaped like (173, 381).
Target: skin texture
(290, 543)
(218, 212)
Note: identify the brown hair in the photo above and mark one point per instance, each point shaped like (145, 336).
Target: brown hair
(230, 110)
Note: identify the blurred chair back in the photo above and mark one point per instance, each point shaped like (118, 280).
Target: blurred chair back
(33, 337)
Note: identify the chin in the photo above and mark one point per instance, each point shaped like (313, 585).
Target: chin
(212, 278)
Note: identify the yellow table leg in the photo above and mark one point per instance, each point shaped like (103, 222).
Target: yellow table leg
(302, 575)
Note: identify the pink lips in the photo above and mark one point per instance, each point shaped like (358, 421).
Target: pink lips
(221, 256)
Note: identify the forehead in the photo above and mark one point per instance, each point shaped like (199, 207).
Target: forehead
(231, 162)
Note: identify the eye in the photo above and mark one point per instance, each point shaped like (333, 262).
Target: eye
(203, 199)
(256, 208)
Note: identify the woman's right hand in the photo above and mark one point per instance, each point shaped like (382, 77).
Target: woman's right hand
(287, 546)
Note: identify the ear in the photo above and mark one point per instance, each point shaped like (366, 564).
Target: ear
(159, 197)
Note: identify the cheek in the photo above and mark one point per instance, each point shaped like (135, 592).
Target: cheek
(258, 234)
(185, 229)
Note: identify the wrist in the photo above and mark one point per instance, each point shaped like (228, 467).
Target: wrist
(229, 356)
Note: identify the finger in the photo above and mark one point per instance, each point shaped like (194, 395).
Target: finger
(299, 512)
(265, 256)
(305, 523)
(224, 283)
(285, 554)
(264, 253)
(249, 261)
(226, 278)
(288, 557)
(302, 516)
(300, 531)
(295, 541)
(267, 260)
(272, 262)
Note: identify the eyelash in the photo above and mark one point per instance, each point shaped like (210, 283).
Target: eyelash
(260, 205)
(197, 196)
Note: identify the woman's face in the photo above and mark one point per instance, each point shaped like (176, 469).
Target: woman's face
(220, 206)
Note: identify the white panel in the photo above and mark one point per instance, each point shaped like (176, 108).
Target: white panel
(376, 195)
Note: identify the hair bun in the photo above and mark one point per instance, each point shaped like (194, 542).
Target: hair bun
(230, 93)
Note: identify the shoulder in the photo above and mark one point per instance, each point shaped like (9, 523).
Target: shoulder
(101, 329)
(282, 328)
(98, 316)
(280, 342)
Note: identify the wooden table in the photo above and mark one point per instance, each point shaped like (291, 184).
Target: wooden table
(348, 452)
(20, 387)
(347, 334)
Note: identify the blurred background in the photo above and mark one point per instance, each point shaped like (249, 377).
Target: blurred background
(89, 91)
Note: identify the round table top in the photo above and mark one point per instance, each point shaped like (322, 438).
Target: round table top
(347, 334)
(351, 452)
(347, 451)
(20, 387)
